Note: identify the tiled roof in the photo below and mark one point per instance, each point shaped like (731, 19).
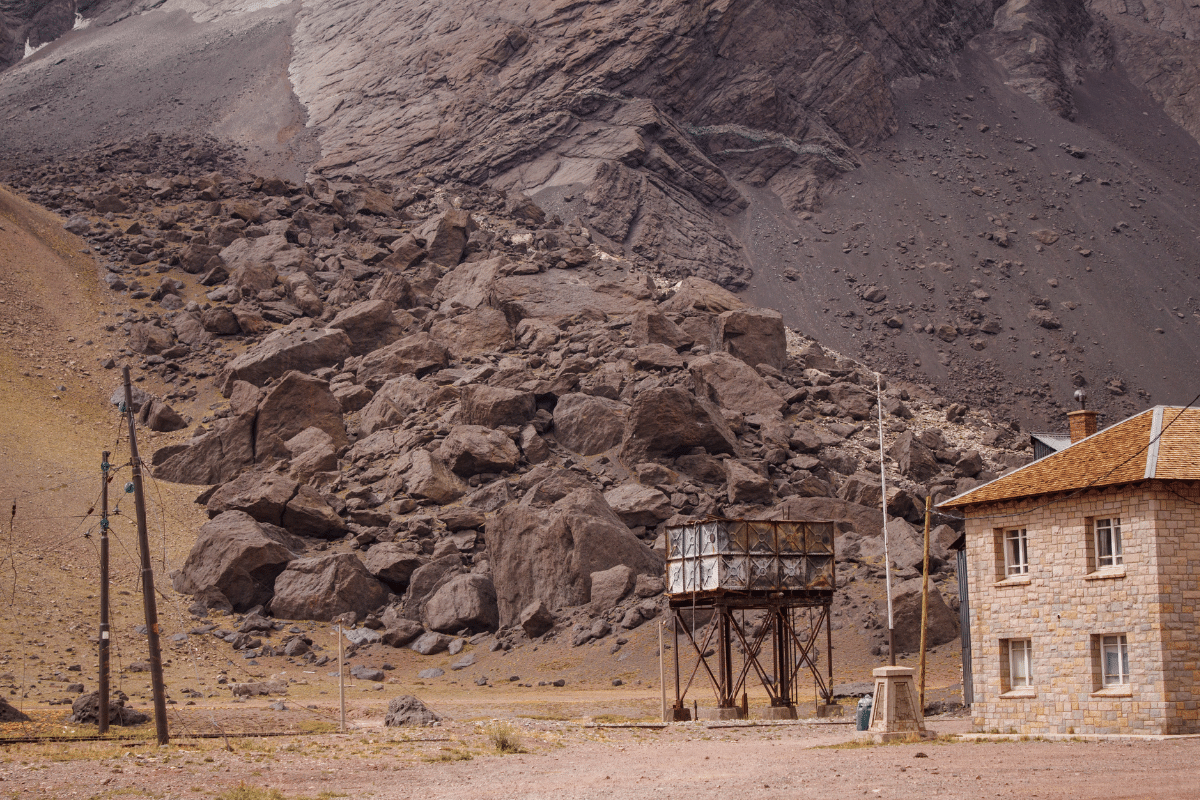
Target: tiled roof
(1162, 442)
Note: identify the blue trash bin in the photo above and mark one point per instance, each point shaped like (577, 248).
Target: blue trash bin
(863, 717)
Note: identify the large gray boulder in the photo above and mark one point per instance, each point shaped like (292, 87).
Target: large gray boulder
(86, 710)
(639, 505)
(731, 383)
(698, 294)
(292, 348)
(421, 474)
(418, 354)
(651, 326)
(11, 714)
(394, 401)
(493, 406)
(213, 457)
(392, 564)
(325, 587)
(471, 449)
(479, 330)
(588, 424)
(236, 556)
(755, 335)
(465, 601)
(550, 554)
(669, 420)
(408, 711)
(297, 402)
(369, 324)
(308, 513)
(906, 612)
(262, 495)
(426, 580)
(913, 458)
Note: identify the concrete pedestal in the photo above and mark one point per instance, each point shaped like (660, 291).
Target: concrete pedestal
(895, 714)
(678, 715)
(779, 712)
(732, 712)
(831, 710)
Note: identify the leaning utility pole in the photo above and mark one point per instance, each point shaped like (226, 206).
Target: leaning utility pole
(156, 671)
(924, 603)
(104, 628)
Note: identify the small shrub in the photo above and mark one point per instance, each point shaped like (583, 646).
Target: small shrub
(505, 738)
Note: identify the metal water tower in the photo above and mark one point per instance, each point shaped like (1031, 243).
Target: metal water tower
(783, 569)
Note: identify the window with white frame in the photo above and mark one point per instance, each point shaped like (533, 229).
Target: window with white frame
(1020, 663)
(1016, 552)
(1107, 535)
(1114, 660)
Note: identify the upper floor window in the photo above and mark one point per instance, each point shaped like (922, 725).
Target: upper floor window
(1107, 535)
(1016, 552)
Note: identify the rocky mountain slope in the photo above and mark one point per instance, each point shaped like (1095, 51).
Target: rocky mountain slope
(812, 154)
(435, 299)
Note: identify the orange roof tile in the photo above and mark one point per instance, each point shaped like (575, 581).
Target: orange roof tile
(1160, 443)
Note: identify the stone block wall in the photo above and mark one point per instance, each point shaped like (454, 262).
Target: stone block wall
(1064, 605)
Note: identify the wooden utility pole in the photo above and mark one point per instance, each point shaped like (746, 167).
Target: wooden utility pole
(924, 604)
(148, 602)
(104, 627)
(342, 675)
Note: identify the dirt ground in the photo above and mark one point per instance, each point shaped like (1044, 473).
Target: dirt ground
(577, 759)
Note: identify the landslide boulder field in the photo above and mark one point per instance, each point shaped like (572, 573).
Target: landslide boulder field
(452, 310)
(1026, 166)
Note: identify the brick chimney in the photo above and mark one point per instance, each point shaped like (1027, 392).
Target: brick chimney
(1083, 424)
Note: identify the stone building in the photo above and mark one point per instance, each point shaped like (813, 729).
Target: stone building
(1084, 582)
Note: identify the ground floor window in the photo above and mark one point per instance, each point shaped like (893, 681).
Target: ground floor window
(1020, 663)
(1114, 660)
(1016, 664)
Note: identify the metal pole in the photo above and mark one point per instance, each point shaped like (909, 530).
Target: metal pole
(887, 559)
(829, 650)
(148, 603)
(662, 669)
(104, 622)
(342, 675)
(924, 605)
(675, 654)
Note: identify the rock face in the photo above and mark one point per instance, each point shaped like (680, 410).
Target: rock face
(550, 555)
(236, 556)
(323, 588)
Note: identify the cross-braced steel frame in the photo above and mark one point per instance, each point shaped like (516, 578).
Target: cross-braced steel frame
(794, 628)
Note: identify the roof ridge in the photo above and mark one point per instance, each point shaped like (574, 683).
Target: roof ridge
(1041, 463)
(1155, 435)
